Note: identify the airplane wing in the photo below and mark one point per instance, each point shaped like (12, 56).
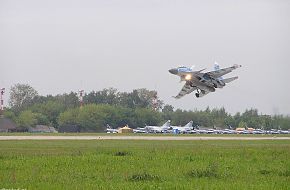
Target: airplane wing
(221, 72)
(186, 89)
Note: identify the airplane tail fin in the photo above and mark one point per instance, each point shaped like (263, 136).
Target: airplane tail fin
(216, 68)
(228, 80)
(167, 124)
(108, 126)
(189, 124)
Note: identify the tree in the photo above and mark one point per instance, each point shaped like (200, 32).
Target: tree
(242, 124)
(140, 98)
(145, 116)
(10, 115)
(51, 109)
(92, 118)
(178, 117)
(167, 112)
(126, 116)
(69, 117)
(21, 96)
(27, 119)
(68, 100)
(106, 96)
(167, 108)
(218, 117)
(109, 106)
(41, 119)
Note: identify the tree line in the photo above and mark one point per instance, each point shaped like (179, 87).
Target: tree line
(27, 108)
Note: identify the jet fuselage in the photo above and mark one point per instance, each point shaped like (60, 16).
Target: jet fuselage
(201, 80)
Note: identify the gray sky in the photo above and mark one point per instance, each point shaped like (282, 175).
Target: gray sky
(61, 46)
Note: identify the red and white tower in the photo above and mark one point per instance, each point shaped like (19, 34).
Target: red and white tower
(81, 94)
(2, 91)
(155, 102)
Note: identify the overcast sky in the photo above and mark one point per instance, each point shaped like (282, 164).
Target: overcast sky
(61, 46)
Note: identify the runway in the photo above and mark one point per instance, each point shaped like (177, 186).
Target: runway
(158, 138)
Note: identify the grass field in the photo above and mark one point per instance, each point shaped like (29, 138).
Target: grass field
(115, 164)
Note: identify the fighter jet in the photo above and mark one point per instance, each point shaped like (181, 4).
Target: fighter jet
(109, 129)
(202, 82)
(184, 129)
(159, 129)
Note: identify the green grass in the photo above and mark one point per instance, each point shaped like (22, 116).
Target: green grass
(116, 164)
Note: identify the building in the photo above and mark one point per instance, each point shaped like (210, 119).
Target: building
(69, 129)
(7, 125)
(42, 129)
(125, 129)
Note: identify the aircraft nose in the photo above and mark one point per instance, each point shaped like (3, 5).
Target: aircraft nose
(173, 71)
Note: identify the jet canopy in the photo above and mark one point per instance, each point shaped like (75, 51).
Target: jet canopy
(184, 69)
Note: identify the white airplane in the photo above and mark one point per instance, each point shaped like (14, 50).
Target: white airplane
(203, 83)
(159, 129)
(109, 129)
(184, 129)
(139, 130)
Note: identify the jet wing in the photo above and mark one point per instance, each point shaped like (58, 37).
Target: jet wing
(221, 72)
(186, 89)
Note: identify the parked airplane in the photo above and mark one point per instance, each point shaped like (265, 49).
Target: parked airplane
(159, 129)
(203, 83)
(184, 129)
(140, 130)
(109, 129)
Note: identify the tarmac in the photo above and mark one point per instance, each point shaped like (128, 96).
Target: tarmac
(158, 138)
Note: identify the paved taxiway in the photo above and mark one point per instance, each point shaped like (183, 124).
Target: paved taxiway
(137, 138)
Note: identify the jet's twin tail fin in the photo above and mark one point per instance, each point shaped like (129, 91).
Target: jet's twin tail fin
(216, 68)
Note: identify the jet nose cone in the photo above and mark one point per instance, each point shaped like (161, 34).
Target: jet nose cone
(173, 71)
